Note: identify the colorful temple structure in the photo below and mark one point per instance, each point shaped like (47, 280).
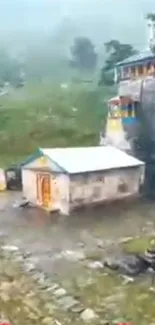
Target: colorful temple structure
(135, 77)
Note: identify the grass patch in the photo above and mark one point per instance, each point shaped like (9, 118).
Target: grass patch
(48, 116)
(95, 255)
(138, 244)
(111, 299)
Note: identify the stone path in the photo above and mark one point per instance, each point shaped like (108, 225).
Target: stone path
(61, 297)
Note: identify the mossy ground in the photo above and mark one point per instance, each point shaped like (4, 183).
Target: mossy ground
(138, 244)
(110, 297)
(23, 301)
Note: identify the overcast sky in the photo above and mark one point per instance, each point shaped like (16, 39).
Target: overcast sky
(98, 19)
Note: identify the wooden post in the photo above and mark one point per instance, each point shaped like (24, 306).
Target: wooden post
(144, 70)
(130, 72)
(136, 72)
(152, 69)
(122, 73)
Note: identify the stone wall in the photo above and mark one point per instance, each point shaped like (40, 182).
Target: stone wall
(104, 186)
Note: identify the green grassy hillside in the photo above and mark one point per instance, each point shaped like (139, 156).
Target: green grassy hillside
(50, 116)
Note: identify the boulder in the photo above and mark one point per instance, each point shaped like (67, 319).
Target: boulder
(127, 263)
(88, 315)
(60, 292)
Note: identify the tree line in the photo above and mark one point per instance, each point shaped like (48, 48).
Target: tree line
(83, 57)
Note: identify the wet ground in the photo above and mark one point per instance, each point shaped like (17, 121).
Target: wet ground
(66, 248)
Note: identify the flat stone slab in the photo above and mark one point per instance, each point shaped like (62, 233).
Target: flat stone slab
(53, 288)
(60, 292)
(67, 303)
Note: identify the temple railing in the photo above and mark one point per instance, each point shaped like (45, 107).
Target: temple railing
(130, 88)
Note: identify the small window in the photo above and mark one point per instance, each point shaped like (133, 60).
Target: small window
(122, 187)
(101, 179)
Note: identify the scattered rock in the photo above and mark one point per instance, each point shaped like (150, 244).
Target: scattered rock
(127, 279)
(95, 265)
(21, 204)
(60, 292)
(57, 322)
(48, 321)
(73, 256)
(10, 248)
(88, 315)
(68, 303)
(125, 240)
(53, 288)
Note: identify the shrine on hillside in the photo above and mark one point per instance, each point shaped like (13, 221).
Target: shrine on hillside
(139, 65)
(123, 120)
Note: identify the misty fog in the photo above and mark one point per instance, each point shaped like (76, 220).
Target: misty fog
(101, 20)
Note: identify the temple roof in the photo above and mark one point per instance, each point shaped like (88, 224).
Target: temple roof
(137, 58)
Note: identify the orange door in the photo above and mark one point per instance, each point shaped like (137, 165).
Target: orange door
(44, 190)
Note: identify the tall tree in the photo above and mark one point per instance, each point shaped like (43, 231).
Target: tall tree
(83, 54)
(151, 16)
(116, 52)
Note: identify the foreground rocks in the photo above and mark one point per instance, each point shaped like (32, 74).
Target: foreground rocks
(20, 299)
(28, 296)
(127, 263)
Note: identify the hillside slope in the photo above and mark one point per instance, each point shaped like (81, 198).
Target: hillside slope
(50, 117)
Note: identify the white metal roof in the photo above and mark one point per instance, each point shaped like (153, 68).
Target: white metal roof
(116, 98)
(79, 160)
